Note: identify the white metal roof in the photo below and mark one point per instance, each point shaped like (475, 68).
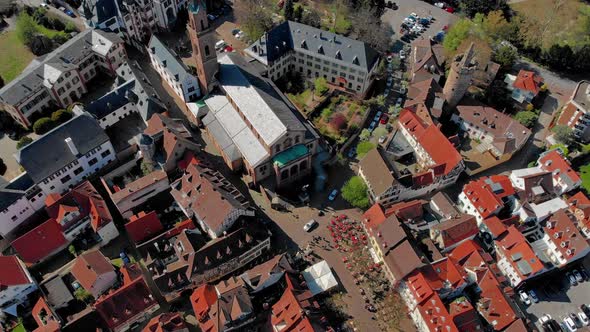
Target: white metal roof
(250, 103)
(237, 130)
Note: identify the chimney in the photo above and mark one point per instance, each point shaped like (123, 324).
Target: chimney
(72, 146)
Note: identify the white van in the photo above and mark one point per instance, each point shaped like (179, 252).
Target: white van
(220, 45)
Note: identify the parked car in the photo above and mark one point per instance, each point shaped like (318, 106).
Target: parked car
(545, 318)
(439, 4)
(372, 126)
(583, 318)
(211, 17)
(220, 45)
(533, 296)
(524, 297)
(576, 320)
(352, 152)
(377, 116)
(586, 309)
(571, 279)
(569, 324)
(333, 195)
(68, 12)
(450, 10)
(384, 119)
(310, 225)
(382, 139)
(44, 5)
(402, 54)
(578, 276)
(398, 102)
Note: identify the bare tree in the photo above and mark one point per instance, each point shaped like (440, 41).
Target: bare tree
(254, 16)
(370, 30)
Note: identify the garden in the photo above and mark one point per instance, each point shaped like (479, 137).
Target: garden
(340, 119)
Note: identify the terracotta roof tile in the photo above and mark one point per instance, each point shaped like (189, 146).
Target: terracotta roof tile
(90, 266)
(528, 81)
(565, 235)
(518, 251)
(13, 274)
(40, 242)
(486, 193)
(143, 226)
(166, 322)
(559, 167)
(455, 230)
(43, 315)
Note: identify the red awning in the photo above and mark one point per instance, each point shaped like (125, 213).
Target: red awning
(342, 80)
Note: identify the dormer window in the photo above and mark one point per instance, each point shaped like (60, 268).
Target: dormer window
(321, 49)
(303, 44)
(338, 55)
(355, 61)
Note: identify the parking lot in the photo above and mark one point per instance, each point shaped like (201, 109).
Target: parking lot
(557, 297)
(422, 9)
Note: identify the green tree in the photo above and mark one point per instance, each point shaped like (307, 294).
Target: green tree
(355, 192)
(457, 33)
(254, 17)
(23, 141)
(26, 28)
(289, 10)
(320, 86)
(497, 27)
(82, 295)
(505, 55)
(70, 27)
(563, 134)
(561, 147)
(326, 113)
(146, 167)
(365, 134)
(72, 250)
(473, 7)
(526, 118)
(1, 82)
(298, 14)
(43, 125)
(60, 116)
(364, 147)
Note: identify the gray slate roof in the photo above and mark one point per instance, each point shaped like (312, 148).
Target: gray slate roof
(174, 65)
(98, 11)
(300, 37)
(131, 86)
(71, 52)
(49, 153)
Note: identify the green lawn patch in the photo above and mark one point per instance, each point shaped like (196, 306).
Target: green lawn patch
(14, 56)
(19, 328)
(585, 175)
(118, 262)
(300, 100)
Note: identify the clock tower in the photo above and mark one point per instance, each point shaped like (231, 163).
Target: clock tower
(203, 43)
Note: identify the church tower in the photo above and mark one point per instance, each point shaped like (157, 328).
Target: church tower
(460, 76)
(203, 43)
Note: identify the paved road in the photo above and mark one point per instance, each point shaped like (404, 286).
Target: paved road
(76, 20)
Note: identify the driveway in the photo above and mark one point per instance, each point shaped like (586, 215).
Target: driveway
(395, 18)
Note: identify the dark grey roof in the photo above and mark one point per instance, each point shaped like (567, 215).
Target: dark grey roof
(22, 182)
(49, 153)
(7, 197)
(68, 54)
(174, 65)
(133, 86)
(98, 11)
(300, 37)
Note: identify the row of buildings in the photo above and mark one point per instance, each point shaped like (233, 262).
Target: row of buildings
(457, 264)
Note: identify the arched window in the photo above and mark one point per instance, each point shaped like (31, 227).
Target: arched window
(206, 50)
(202, 25)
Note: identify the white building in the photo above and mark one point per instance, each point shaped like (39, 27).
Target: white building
(16, 283)
(67, 155)
(486, 197)
(173, 71)
(61, 77)
(19, 200)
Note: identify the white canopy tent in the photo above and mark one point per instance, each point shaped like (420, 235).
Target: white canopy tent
(319, 278)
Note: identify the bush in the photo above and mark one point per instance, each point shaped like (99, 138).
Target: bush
(146, 167)
(563, 134)
(60, 116)
(365, 134)
(24, 141)
(338, 122)
(26, 28)
(82, 295)
(561, 147)
(43, 125)
(526, 118)
(364, 147)
(355, 192)
(70, 27)
(326, 113)
(72, 250)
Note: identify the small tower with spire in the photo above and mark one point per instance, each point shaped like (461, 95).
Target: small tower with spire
(203, 43)
(460, 75)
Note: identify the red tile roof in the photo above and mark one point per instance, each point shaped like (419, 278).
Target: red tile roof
(419, 286)
(407, 210)
(289, 310)
(201, 300)
(13, 274)
(143, 226)
(166, 322)
(580, 206)
(432, 140)
(497, 227)
(40, 242)
(559, 166)
(445, 271)
(386, 231)
(517, 250)
(565, 235)
(44, 317)
(89, 266)
(436, 316)
(455, 230)
(121, 305)
(464, 315)
(494, 304)
(528, 81)
(569, 115)
(483, 197)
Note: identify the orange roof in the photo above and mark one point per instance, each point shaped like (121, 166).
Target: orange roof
(565, 235)
(166, 322)
(496, 226)
(374, 216)
(436, 316)
(202, 299)
(528, 80)
(486, 193)
(457, 229)
(289, 311)
(407, 210)
(518, 253)
(444, 271)
(419, 286)
(464, 315)
(555, 163)
(143, 226)
(432, 140)
(43, 315)
(89, 267)
(569, 117)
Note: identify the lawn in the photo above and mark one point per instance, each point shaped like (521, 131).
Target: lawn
(585, 175)
(14, 56)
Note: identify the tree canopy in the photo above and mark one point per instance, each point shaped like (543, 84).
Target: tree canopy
(505, 55)
(355, 192)
(527, 118)
(320, 86)
(563, 134)
(472, 7)
(24, 141)
(364, 147)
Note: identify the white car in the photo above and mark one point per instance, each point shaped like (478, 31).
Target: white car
(310, 225)
(44, 5)
(524, 297)
(382, 139)
(402, 54)
(545, 318)
(569, 323)
(583, 318)
(577, 275)
(440, 4)
(571, 279)
(220, 45)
